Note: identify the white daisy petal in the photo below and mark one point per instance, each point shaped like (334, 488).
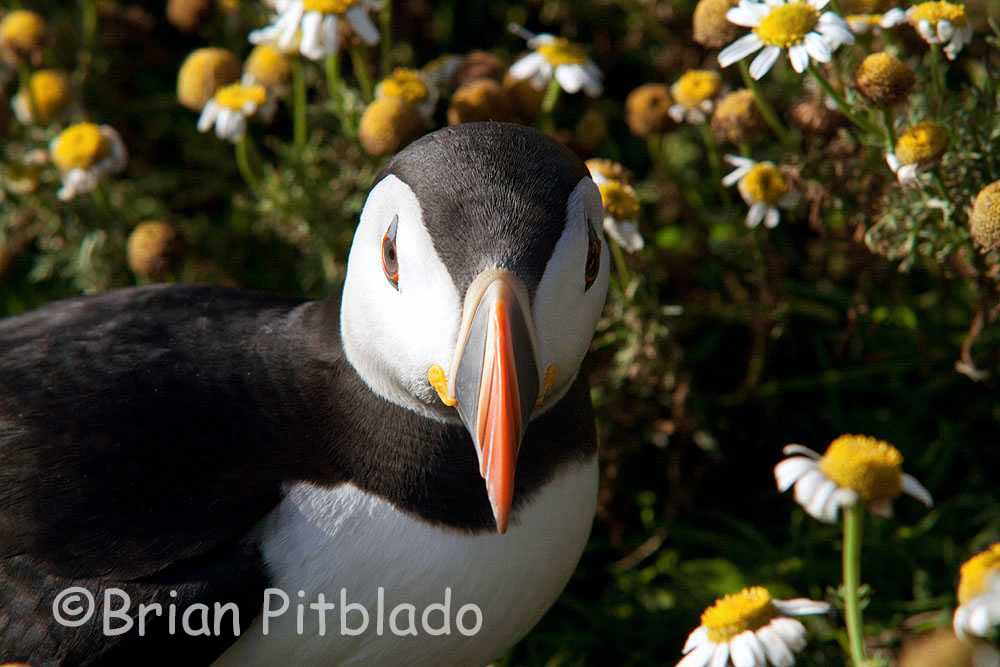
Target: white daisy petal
(312, 36)
(893, 17)
(740, 652)
(914, 488)
(699, 657)
(801, 450)
(772, 218)
(570, 77)
(799, 57)
(790, 470)
(697, 637)
(801, 607)
(740, 49)
(791, 631)
(777, 651)
(817, 503)
(721, 656)
(764, 61)
(676, 112)
(363, 25)
(842, 498)
(527, 67)
(818, 48)
(756, 214)
(747, 15)
(818, 5)
(806, 487)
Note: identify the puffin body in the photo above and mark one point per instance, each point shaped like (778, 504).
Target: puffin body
(197, 448)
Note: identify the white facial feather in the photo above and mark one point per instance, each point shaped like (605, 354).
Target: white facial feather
(564, 314)
(392, 337)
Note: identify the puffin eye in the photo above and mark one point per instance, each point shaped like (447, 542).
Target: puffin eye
(593, 257)
(390, 260)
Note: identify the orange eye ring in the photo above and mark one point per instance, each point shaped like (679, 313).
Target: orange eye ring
(390, 259)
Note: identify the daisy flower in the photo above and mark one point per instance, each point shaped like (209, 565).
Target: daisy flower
(410, 86)
(44, 99)
(937, 22)
(229, 109)
(559, 58)
(85, 153)
(798, 26)
(694, 94)
(978, 611)
(917, 149)
(750, 629)
(621, 214)
(763, 187)
(316, 21)
(854, 467)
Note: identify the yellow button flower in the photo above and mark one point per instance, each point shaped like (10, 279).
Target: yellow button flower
(22, 34)
(737, 119)
(229, 110)
(387, 125)
(153, 249)
(979, 594)
(479, 100)
(50, 95)
(711, 27)
(602, 171)
(410, 86)
(694, 95)
(557, 57)
(84, 154)
(750, 628)
(918, 148)
(764, 189)
(937, 23)
(621, 213)
(855, 468)
(647, 110)
(269, 67)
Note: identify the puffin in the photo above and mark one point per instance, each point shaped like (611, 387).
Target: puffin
(186, 472)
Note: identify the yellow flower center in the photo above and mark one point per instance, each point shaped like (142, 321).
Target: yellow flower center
(329, 6)
(765, 184)
(872, 468)
(235, 96)
(736, 613)
(922, 143)
(864, 6)
(79, 147)
(984, 222)
(620, 200)
(787, 25)
(609, 169)
(49, 94)
(696, 86)
(977, 571)
(934, 12)
(22, 29)
(561, 51)
(407, 85)
(268, 66)
(873, 20)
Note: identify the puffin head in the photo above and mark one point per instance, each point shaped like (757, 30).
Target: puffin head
(475, 281)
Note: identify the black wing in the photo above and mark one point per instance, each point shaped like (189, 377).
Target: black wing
(139, 446)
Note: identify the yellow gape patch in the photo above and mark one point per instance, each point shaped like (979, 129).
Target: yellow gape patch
(439, 380)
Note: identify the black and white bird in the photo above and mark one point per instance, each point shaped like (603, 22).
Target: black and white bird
(430, 429)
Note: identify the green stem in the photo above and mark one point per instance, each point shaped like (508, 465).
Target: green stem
(89, 24)
(360, 64)
(766, 110)
(243, 150)
(937, 76)
(332, 64)
(852, 582)
(713, 157)
(549, 103)
(842, 104)
(299, 119)
(890, 130)
(386, 20)
(24, 80)
(624, 277)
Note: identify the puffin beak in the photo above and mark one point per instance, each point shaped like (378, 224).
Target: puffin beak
(496, 382)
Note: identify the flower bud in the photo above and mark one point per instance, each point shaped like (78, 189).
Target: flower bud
(203, 72)
(154, 249)
(647, 109)
(737, 119)
(22, 36)
(984, 223)
(268, 66)
(478, 65)
(482, 99)
(884, 80)
(49, 96)
(711, 27)
(524, 98)
(188, 15)
(388, 124)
